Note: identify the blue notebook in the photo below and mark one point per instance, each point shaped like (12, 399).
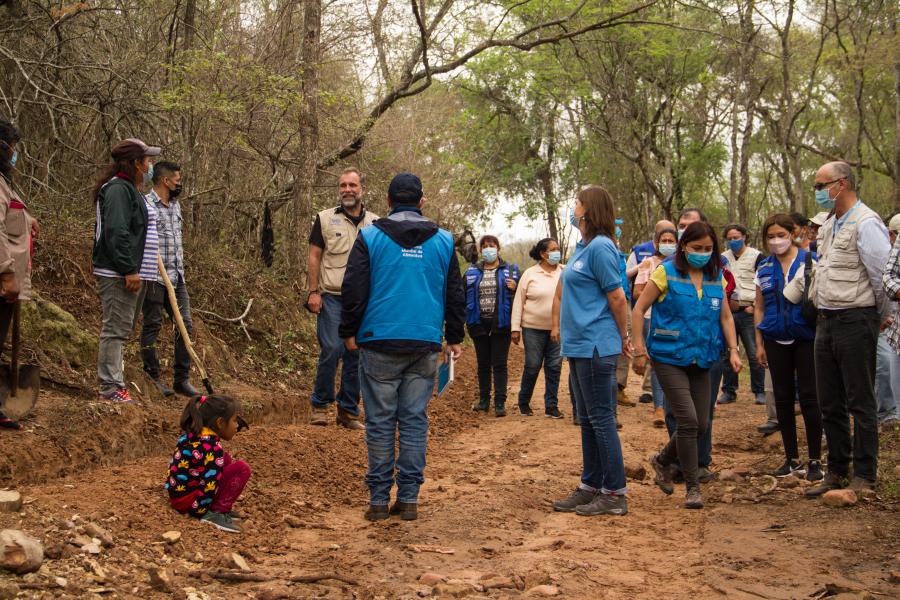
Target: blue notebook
(445, 376)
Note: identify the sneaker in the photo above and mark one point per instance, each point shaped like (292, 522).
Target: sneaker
(828, 483)
(163, 389)
(7, 423)
(693, 498)
(221, 521)
(623, 400)
(760, 399)
(318, 416)
(553, 413)
(117, 396)
(659, 417)
(352, 422)
(604, 504)
(645, 398)
(791, 466)
(480, 406)
(499, 410)
(377, 512)
(662, 477)
(767, 428)
(814, 471)
(704, 475)
(726, 398)
(184, 388)
(577, 498)
(408, 511)
(526, 411)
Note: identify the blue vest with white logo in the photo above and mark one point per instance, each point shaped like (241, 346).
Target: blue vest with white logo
(474, 275)
(685, 330)
(782, 320)
(408, 288)
(645, 250)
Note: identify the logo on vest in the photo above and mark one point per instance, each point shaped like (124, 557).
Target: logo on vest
(715, 303)
(336, 220)
(415, 252)
(578, 265)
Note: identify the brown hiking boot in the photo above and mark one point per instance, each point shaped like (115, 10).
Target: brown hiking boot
(663, 475)
(408, 511)
(659, 418)
(377, 512)
(862, 487)
(345, 419)
(831, 482)
(624, 400)
(693, 498)
(319, 416)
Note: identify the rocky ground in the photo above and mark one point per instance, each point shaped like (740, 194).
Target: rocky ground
(90, 484)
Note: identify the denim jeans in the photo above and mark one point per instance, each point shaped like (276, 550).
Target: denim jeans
(396, 389)
(119, 312)
(540, 349)
(887, 380)
(845, 346)
(156, 300)
(746, 333)
(331, 351)
(595, 387)
(704, 444)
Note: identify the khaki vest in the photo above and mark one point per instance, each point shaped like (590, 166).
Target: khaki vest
(841, 278)
(340, 234)
(744, 271)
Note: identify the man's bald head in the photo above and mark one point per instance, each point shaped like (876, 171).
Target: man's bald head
(836, 170)
(662, 225)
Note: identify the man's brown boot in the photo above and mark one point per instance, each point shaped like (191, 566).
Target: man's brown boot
(319, 416)
(345, 419)
(408, 511)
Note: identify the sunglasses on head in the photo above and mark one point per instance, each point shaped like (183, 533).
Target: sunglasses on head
(821, 186)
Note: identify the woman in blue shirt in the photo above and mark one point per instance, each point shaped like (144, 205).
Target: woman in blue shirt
(590, 315)
(686, 328)
(783, 335)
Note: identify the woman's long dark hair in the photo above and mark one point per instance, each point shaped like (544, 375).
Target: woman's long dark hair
(203, 411)
(123, 164)
(697, 231)
(539, 248)
(9, 135)
(599, 212)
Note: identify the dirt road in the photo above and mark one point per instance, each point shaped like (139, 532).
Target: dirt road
(485, 520)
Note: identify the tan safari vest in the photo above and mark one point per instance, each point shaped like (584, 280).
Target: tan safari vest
(841, 278)
(15, 238)
(339, 233)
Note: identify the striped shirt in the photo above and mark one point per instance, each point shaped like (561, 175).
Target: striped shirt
(149, 268)
(168, 227)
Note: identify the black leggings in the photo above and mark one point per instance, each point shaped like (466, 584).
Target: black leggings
(785, 362)
(687, 395)
(492, 352)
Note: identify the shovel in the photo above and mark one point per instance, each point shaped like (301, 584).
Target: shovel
(19, 385)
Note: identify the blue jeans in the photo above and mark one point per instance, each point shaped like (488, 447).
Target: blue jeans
(396, 390)
(887, 380)
(659, 397)
(704, 444)
(595, 388)
(331, 351)
(746, 333)
(540, 349)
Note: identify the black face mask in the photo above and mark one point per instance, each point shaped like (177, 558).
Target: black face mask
(176, 192)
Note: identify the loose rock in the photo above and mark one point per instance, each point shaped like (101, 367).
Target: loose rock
(10, 501)
(235, 561)
(839, 498)
(160, 579)
(171, 537)
(544, 590)
(456, 589)
(499, 583)
(431, 578)
(790, 481)
(730, 475)
(8, 590)
(92, 548)
(894, 577)
(635, 471)
(94, 530)
(19, 552)
(293, 521)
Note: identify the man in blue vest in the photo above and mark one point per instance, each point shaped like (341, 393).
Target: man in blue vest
(401, 294)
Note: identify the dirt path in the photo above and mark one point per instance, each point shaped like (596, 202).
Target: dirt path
(487, 499)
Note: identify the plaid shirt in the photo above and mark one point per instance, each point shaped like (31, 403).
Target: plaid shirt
(891, 279)
(168, 226)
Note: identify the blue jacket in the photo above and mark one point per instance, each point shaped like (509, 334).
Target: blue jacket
(474, 275)
(644, 250)
(782, 319)
(402, 285)
(685, 330)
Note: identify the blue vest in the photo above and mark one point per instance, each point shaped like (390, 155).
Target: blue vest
(623, 268)
(474, 275)
(782, 319)
(644, 250)
(408, 288)
(685, 330)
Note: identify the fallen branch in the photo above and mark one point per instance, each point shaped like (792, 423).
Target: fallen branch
(239, 320)
(243, 577)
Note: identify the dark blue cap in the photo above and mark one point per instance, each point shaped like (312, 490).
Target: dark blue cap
(405, 188)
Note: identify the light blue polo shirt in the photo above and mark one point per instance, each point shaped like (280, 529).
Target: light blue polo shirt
(585, 321)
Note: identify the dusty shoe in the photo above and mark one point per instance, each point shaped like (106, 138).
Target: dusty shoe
(377, 512)
(623, 400)
(408, 511)
(319, 416)
(760, 399)
(659, 418)
(577, 498)
(526, 411)
(499, 410)
(604, 504)
(814, 471)
(830, 482)
(862, 487)
(693, 498)
(791, 466)
(185, 388)
(553, 413)
(481, 406)
(162, 388)
(117, 396)
(704, 475)
(662, 477)
(726, 398)
(768, 428)
(345, 419)
(221, 521)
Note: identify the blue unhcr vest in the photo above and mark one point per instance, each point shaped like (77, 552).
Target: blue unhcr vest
(474, 275)
(782, 319)
(408, 288)
(684, 329)
(645, 250)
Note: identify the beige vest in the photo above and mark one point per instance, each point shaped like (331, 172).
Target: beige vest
(15, 249)
(340, 234)
(744, 271)
(841, 278)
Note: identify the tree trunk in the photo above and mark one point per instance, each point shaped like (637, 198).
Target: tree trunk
(896, 120)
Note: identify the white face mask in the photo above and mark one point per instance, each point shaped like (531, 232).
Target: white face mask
(779, 246)
(667, 249)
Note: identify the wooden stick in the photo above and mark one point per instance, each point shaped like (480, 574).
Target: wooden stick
(176, 314)
(243, 577)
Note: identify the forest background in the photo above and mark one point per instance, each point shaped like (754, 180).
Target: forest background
(729, 106)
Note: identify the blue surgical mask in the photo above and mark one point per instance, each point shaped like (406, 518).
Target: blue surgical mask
(667, 249)
(824, 199)
(698, 259)
(14, 158)
(554, 256)
(735, 245)
(618, 232)
(573, 220)
(489, 255)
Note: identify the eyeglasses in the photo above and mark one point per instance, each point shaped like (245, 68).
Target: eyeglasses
(822, 186)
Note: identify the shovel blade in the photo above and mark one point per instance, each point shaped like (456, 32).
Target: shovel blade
(19, 402)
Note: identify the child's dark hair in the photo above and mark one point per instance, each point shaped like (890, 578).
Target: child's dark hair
(203, 411)
(540, 247)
